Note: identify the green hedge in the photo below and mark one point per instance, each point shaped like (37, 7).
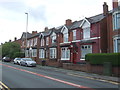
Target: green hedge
(100, 58)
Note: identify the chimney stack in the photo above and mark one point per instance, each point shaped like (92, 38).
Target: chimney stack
(34, 32)
(10, 40)
(115, 4)
(15, 39)
(68, 22)
(105, 8)
(46, 29)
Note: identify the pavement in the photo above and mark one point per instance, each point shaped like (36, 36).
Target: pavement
(111, 79)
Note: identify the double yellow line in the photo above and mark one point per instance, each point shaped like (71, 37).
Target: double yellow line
(3, 86)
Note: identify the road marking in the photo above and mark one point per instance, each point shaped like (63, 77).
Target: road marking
(51, 78)
(3, 86)
(92, 78)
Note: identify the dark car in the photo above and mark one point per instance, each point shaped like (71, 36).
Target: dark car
(6, 59)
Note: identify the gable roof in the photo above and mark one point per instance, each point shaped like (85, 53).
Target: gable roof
(24, 35)
(96, 18)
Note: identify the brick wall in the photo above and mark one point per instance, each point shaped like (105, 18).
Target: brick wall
(97, 69)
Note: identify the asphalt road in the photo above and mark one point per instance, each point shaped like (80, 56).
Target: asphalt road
(16, 76)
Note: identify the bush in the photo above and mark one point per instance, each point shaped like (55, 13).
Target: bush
(19, 55)
(100, 58)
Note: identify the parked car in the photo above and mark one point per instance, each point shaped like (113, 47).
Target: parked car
(6, 59)
(17, 60)
(27, 62)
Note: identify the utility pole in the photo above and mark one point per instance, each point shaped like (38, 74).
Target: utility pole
(26, 33)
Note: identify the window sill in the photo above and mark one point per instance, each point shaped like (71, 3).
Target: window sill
(65, 59)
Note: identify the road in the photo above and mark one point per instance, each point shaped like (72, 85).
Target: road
(16, 76)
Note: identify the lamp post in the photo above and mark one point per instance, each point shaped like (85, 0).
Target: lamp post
(26, 33)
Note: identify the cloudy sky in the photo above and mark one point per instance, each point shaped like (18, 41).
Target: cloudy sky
(42, 13)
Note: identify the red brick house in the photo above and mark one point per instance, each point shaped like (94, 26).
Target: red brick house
(113, 28)
(81, 37)
(31, 47)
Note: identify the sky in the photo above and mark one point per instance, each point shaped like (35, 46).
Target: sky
(43, 13)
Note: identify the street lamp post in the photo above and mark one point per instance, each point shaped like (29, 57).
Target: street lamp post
(26, 32)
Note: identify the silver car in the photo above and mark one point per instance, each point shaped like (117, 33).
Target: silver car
(17, 60)
(27, 62)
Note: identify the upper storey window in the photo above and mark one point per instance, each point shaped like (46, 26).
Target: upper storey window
(116, 20)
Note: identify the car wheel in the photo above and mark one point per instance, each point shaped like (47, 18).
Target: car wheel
(26, 65)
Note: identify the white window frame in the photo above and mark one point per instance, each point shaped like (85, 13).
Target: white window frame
(42, 41)
(35, 41)
(31, 42)
(34, 52)
(116, 20)
(116, 44)
(53, 53)
(65, 37)
(53, 37)
(23, 43)
(74, 35)
(86, 33)
(65, 53)
(41, 53)
(26, 53)
(47, 40)
(87, 49)
(28, 43)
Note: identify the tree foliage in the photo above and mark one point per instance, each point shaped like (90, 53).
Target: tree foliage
(10, 48)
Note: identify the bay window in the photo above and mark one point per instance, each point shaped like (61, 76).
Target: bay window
(47, 40)
(116, 45)
(42, 42)
(65, 35)
(53, 37)
(35, 41)
(34, 52)
(85, 49)
(65, 53)
(74, 35)
(116, 20)
(86, 33)
(52, 52)
(41, 53)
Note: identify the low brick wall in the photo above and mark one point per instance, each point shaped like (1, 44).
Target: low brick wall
(54, 63)
(97, 69)
(80, 67)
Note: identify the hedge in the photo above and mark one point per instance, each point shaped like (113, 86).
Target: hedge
(100, 58)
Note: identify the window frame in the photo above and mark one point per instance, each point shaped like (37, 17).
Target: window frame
(64, 52)
(74, 35)
(83, 48)
(116, 20)
(41, 53)
(53, 53)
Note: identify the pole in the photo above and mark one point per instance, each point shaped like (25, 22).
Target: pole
(26, 33)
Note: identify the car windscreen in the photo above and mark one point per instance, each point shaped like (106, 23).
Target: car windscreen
(27, 59)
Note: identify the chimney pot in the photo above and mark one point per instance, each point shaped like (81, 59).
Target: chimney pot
(15, 39)
(115, 4)
(46, 29)
(105, 8)
(34, 32)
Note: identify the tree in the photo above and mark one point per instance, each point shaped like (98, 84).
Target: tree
(10, 48)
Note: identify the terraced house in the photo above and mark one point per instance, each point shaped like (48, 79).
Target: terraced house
(69, 43)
